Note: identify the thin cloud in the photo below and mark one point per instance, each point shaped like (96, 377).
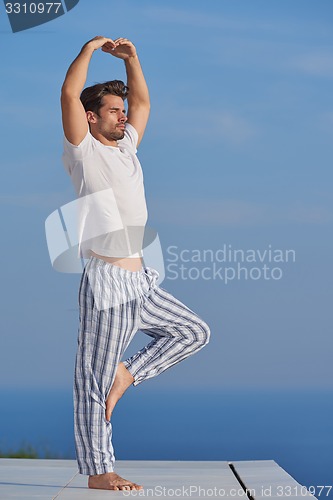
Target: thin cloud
(224, 125)
(237, 24)
(50, 201)
(326, 122)
(315, 64)
(233, 213)
(256, 43)
(235, 129)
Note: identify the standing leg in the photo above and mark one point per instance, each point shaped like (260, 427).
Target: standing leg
(177, 333)
(103, 337)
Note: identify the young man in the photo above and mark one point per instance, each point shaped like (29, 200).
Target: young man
(118, 294)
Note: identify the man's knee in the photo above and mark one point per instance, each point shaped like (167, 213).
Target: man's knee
(202, 334)
(206, 334)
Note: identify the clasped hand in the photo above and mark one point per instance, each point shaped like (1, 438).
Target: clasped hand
(121, 47)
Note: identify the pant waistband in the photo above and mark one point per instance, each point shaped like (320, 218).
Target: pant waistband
(120, 271)
(140, 282)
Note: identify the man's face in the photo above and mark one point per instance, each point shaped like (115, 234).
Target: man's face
(112, 118)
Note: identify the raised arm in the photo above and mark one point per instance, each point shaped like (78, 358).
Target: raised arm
(138, 96)
(74, 117)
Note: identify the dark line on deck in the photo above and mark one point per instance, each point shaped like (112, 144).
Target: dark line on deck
(239, 479)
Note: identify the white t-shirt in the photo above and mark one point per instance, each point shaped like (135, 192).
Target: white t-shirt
(111, 205)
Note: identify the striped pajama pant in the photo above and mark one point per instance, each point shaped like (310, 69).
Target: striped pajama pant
(114, 304)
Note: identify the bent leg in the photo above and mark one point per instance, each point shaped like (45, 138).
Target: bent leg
(178, 332)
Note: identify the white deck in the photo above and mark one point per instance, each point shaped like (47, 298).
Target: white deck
(59, 479)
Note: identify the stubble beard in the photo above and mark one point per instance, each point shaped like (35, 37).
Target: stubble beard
(114, 135)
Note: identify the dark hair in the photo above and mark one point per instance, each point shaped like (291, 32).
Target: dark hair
(91, 97)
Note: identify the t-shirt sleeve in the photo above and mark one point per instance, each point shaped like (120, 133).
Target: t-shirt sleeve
(73, 154)
(130, 139)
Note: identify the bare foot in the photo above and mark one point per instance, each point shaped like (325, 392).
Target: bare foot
(121, 383)
(111, 481)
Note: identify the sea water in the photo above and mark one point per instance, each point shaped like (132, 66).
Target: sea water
(294, 428)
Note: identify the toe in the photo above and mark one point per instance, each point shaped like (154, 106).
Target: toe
(125, 487)
(138, 486)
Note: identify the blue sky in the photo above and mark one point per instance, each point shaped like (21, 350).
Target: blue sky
(237, 152)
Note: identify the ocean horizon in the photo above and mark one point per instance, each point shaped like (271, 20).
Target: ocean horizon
(294, 428)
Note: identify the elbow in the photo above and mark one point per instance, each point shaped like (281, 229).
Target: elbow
(68, 93)
(64, 89)
(64, 93)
